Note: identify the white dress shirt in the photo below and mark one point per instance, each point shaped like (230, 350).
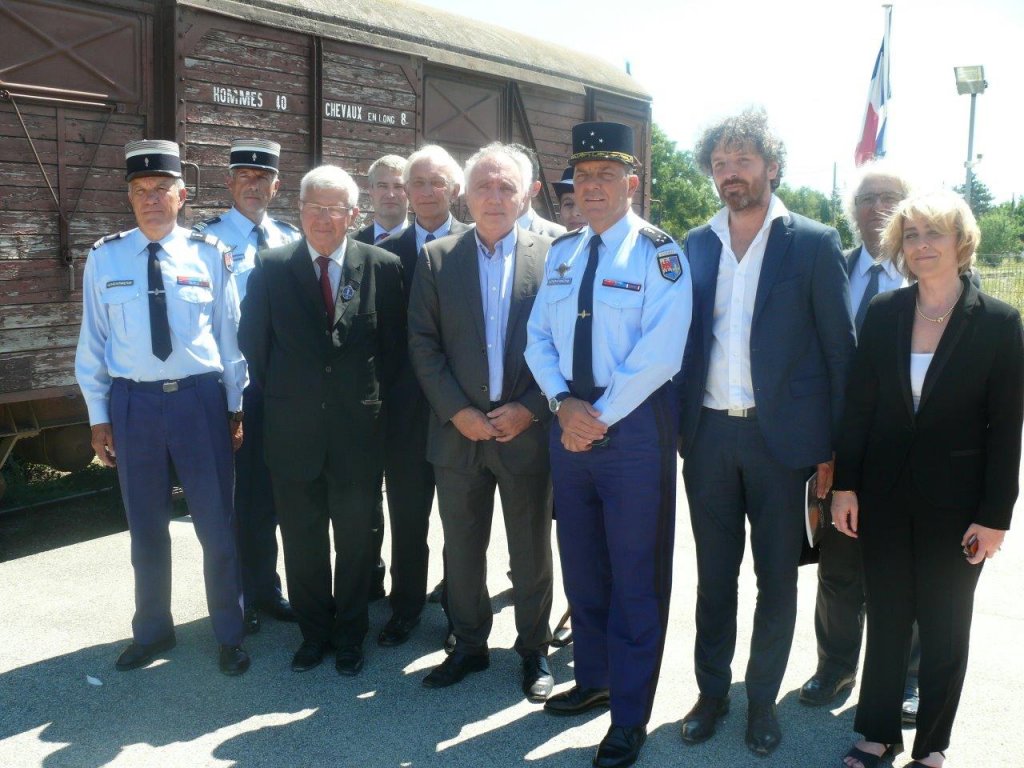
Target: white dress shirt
(729, 383)
(334, 268)
(380, 233)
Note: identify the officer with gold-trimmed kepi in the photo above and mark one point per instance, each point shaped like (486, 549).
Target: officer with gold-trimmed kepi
(160, 370)
(606, 335)
(253, 183)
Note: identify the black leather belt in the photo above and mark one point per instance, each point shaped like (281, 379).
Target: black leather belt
(170, 385)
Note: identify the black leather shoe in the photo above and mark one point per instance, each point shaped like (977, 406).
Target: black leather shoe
(620, 747)
(233, 660)
(823, 688)
(699, 723)
(138, 655)
(279, 608)
(910, 702)
(763, 734)
(456, 667)
(251, 620)
(537, 679)
(576, 701)
(309, 655)
(397, 631)
(348, 661)
(436, 592)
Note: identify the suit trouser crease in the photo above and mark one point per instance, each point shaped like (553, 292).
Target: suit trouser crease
(254, 507)
(731, 477)
(188, 428)
(913, 570)
(328, 609)
(616, 530)
(466, 504)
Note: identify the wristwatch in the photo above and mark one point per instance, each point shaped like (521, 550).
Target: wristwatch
(235, 416)
(554, 403)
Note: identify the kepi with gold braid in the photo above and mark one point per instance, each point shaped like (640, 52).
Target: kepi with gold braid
(603, 141)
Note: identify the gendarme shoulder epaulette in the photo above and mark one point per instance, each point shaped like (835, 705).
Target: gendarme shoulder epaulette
(225, 250)
(202, 225)
(656, 236)
(286, 225)
(108, 238)
(568, 235)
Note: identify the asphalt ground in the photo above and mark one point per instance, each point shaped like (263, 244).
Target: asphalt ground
(65, 614)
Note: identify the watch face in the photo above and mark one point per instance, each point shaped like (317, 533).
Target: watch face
(553, 403)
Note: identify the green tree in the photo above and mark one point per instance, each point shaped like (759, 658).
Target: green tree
(682, 196)
(981, 196)
(1000, 235)
(815, 205)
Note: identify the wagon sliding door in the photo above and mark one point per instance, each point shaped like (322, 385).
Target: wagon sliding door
(74, 90)
(240, 80)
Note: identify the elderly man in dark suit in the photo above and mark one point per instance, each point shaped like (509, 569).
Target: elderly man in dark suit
(433, 181)
(323, 327)
(471, 299)
(761, 391)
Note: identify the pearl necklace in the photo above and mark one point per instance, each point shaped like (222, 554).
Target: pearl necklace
(941, 318)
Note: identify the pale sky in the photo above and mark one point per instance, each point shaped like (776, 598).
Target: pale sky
(809, 64)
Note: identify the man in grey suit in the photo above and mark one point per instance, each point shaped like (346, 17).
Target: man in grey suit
(529, 219)
(761, 395)
(471, 299)
(322, 329)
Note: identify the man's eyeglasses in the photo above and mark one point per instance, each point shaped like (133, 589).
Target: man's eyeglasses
(334, 211)
(872, 199)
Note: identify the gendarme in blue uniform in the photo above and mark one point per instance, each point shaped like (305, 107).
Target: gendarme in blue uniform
(616, 504)
(164, 411)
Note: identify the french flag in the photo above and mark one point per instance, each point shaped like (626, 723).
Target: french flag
(872, 140)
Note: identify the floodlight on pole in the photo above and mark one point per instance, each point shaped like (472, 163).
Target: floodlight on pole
(970, 80)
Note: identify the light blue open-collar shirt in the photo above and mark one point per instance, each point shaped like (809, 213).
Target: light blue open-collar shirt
(497, 270)
(421, 233)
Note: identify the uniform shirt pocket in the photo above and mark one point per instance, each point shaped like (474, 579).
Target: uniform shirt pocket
(120, 309)
(619, 311)
(189, 309)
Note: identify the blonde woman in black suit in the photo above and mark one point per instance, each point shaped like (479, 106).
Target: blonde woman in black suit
(926, 469)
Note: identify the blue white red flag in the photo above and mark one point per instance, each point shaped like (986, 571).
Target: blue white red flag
(872, 140)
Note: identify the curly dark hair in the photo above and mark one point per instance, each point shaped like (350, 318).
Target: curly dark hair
(748, 127)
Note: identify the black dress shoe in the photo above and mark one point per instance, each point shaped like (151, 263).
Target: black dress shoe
(251, 620)
(910, 702)
(348, 661)
(456, 667)
(763, 733)
(576, 701)
(620, 747)
(537, 679)
(436, 593)
(377, 592)
(822, 688)
(397, 631)
(233, 660)
(309, 655)
(279, 608)
(699, 723)
(138, 655)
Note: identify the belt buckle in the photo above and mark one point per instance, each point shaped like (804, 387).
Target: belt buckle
(170, 386)
(739, 413)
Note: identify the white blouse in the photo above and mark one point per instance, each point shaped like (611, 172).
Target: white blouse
(919, 362)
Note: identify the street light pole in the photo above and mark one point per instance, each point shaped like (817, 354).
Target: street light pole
(969, 183)
(970, 80)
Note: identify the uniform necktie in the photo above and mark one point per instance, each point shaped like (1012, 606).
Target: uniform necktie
(159, 330)
(381, 236)
(325, 286)
(869, 293)
(261, 237)
(583, 339)
(429, 238)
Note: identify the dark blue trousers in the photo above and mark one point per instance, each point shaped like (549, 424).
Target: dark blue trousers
(616, 529)
(189, 427)
(731, 477)
(254, 506)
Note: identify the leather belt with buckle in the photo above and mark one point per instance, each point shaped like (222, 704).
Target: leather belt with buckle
(741, 413)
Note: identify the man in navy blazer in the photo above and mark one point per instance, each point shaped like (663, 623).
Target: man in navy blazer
(761, 394)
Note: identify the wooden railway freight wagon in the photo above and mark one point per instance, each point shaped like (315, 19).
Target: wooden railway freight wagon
(340, 81)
